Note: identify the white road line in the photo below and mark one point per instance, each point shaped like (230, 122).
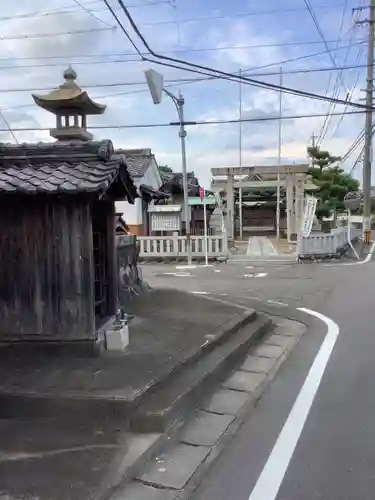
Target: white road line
(200, 293)
(257, 260)
(179, 275)
(277, 303)
(272, 475)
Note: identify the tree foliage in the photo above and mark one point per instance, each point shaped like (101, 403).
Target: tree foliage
(321, 159)
(334, 183)
(165, 168)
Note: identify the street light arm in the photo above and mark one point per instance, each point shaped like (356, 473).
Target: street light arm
(176, 100)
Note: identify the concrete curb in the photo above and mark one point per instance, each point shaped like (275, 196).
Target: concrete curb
(236, 424)
(141, 489)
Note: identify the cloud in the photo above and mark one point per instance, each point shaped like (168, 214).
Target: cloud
(207, 145)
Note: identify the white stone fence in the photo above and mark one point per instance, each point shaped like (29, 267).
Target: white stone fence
(175, 247)
(329, 245)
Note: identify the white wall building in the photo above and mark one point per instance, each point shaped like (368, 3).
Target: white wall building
(144, 171)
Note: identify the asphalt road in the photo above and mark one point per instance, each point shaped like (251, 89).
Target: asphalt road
(310, 437)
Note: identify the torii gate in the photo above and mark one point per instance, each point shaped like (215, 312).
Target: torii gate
(294, 178)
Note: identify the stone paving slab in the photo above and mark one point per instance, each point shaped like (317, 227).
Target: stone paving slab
(243, 381)
(280, 340)
(174, 469)
(268, 351)
(206, 428)
(225, 401)
(142, 492)
(257, 364)
(169, 327)
(49, 459)
(289, 328)
(235, 404)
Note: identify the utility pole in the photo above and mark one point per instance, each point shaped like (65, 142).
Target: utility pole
(279, 159)
(240, 157)
(367, 160)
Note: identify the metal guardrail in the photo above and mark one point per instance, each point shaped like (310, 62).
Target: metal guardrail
(329, 245)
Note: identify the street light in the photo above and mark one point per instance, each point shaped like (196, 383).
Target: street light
(155, 82)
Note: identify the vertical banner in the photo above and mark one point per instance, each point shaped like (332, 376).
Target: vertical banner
(307, 221)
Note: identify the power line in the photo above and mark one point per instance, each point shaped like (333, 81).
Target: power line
(202, 122)
(317, 25)
(137, 6)
(91, 14)
(40, 13)
(129, 54)
(208, 71)
(9, 127)
(234, 16)
(358, 159)
(48, 35)
(63, 10)
(182, 81)
(175, 80)
(354, 145)
(350, 96)
(241, 47)
(121, 54)
(360, 155)
(339, 76)
(209, 49)
(170, 84)
(337, 88)
(123, 29)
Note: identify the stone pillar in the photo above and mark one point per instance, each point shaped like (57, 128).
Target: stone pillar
(289, 204)
(230, 206)
(300, 195)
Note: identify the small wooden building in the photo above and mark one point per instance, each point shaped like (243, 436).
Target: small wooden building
(58, 277)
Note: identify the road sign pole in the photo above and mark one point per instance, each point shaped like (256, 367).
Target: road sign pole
(350, 234)
(205, 231)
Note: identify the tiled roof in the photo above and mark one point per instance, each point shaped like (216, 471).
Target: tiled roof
(153, 193)
(173, 180)
(137, 160)
(52, 168)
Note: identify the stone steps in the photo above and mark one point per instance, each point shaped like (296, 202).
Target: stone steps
(37, 401)
(177, 397)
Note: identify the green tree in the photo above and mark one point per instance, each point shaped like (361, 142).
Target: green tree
(334, 183)
(165, 168)
(321, 159)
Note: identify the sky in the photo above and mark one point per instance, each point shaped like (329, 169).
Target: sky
(40, 38)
